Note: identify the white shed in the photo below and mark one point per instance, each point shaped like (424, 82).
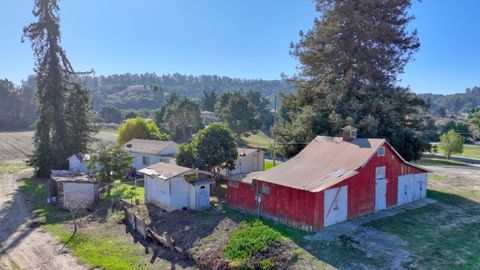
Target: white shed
(249, 160)
(67, 187)
(78, 162)
(148, 152)
(172, 187)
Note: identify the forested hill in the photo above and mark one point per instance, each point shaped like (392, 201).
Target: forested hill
(136, 91)
(454, 103)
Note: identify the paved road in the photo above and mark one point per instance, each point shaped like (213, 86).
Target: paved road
(23, 246)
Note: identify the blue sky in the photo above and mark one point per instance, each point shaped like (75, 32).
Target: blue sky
(246, 39)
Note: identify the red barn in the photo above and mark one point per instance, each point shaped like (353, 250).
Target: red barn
(331, 180)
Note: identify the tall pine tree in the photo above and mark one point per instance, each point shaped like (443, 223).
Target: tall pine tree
(350, 61)
(52, 69)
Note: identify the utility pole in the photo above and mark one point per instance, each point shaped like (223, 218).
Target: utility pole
(274, 153)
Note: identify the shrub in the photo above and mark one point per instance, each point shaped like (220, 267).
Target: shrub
(253, 237)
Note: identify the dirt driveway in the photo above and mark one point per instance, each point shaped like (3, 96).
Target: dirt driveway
(23, 245)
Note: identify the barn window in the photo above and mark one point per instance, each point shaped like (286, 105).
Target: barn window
(146, 160)
(381, 151)
(202, 187)
(265, 189)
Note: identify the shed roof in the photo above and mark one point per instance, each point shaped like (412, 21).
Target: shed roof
(165, 170)
(151, 147)
(323, 163)
(69, 176)
(246, 151)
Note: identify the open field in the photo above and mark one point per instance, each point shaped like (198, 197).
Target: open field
(472, 151)
(259, 140)
(16, 146)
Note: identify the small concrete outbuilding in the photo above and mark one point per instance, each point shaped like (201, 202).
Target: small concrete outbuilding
(249, 160)
(148, 152)
(67, 186)
(172, 187)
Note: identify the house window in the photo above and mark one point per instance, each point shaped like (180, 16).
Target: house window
(165, 160)
(202, 187)
(146, 160)
(381, 151)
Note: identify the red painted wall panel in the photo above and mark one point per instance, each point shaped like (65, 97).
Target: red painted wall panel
(242, 197)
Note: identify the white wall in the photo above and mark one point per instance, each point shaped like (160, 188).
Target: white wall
(157, 192)
(179, 193)
(138, 160)
(85, 190)
(249, 163)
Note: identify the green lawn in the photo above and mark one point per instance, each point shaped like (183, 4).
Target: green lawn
(439, 236)
(101, 247)
(472, 151)
(440, 162)
(259, 140)
(126, 192)
(269, 164)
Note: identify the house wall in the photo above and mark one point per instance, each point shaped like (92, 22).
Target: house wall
(179, 193)
(138, 160)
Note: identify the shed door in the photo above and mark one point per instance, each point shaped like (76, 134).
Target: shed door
(203, 198)
(419, 186)
(380, 188)
(336, 205)
(405, 188)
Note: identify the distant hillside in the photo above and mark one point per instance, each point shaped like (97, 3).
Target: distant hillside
(134, 91)
(454, 103)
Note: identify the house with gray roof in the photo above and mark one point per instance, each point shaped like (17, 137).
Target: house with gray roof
(148, 152)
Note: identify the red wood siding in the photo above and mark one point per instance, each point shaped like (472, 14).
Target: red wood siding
(290, 206)
(242, 197)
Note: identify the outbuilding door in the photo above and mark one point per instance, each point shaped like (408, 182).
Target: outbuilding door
(335, 205)
(203, 197)
(405, 188)
(380, 188)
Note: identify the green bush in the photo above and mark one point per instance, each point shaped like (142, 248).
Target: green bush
(253, 237)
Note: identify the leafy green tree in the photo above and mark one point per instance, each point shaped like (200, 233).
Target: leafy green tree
(139, 128)
(182, 118)
(52, 69)
(261, 106)
(460, 127)
(186, 155)
(159, 114)
(110, 163)
(214, 148)
(17, 106)
(208, 100)
(350, 61)
(110, 115)
(238, 113)
(451, 143)
(80, 119)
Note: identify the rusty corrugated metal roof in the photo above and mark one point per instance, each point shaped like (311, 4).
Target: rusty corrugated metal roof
(322, 163)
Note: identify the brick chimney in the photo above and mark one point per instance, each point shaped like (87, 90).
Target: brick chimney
(349, 133)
